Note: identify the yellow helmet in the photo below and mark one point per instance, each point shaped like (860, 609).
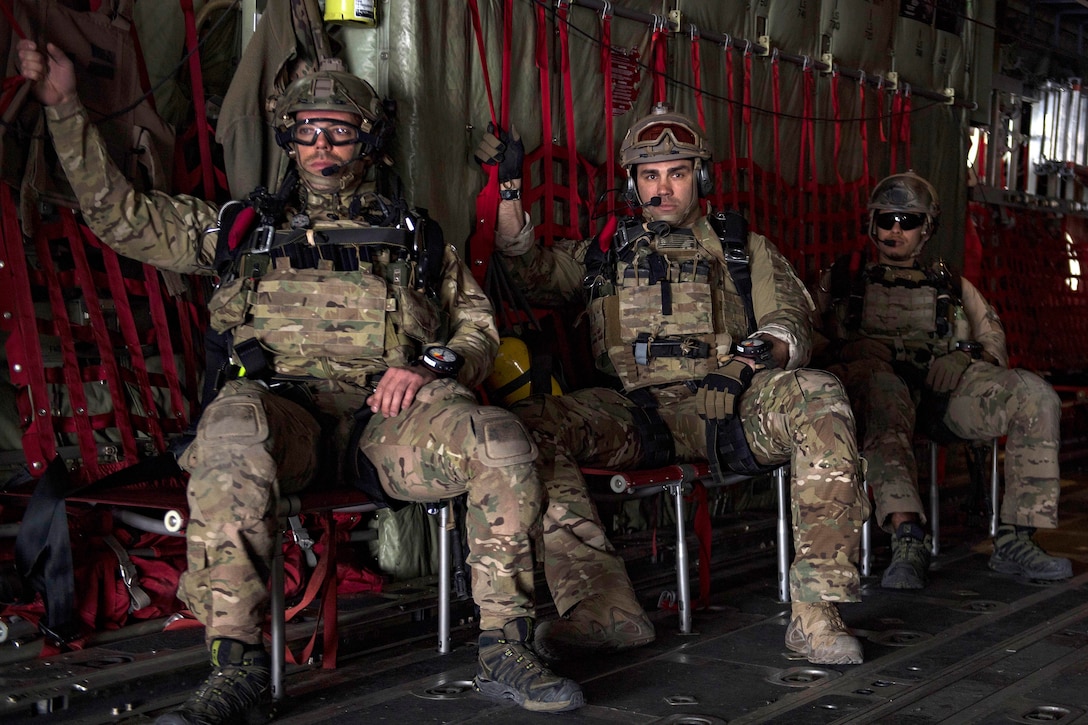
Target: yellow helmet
(511, 379)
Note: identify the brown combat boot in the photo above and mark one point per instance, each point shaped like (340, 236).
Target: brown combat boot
(817, 631)
(604, 622)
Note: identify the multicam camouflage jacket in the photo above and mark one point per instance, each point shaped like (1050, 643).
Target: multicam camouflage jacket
(316, 322)
(673, 324)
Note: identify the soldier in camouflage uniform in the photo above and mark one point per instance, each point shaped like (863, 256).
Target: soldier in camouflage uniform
(910, 340)
(708, 371)
(358, 356)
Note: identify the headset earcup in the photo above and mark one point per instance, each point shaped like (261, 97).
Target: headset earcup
(704, 181)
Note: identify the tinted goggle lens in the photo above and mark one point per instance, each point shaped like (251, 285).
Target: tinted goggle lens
(337, 133)
(655, 132)
(905, 220)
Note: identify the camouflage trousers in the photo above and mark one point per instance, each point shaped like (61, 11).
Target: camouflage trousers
(253, 445)
(988, 402)
(801, 417)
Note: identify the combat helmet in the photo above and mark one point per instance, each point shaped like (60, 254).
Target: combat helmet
(907, 192)
(334, 90)
(665, 135)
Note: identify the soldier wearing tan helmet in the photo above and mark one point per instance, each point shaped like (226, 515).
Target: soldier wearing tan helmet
(915, 344)
(350, 326)
(706, 328)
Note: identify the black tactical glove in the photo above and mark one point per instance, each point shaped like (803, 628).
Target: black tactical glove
(720, 390)
(502, 148)
(945, 372)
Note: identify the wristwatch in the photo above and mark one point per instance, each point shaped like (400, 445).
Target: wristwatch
(971, 347)
(510, 194)
(756, 349)
(442, 361)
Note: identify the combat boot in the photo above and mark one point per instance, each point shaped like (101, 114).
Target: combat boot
(1015, 552)
(817, 631)
(508, 669)
(910, 558)
(239, 689)
(602, 622)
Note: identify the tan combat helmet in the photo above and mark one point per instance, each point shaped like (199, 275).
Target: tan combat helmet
(909, 193)
(333, 90)
(664, 135)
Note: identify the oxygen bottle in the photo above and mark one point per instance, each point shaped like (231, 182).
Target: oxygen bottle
(351, 11)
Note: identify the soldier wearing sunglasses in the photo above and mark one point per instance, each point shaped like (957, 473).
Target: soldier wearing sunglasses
(914, 343)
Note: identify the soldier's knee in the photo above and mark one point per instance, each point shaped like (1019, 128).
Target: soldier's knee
(502, 438)
(1038, 391)
(235, 417)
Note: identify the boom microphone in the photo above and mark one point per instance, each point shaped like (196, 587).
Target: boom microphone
(654, 201)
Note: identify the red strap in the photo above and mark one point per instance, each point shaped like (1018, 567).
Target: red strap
(836, 122)
(746, 119)
(776, 108)
(574, 201)
(734, 191)
(904, 128)
(704, 533)
(809, 178)
(697, 80)
(897, 110)
(547, 228)
(659, 58)
(18, 30)
(23, 347)
(609, 127)
(200, 113)
(482, 241)
(61, 328)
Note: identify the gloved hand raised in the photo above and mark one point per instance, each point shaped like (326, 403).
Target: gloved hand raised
(945, 372)
(504, 149)
(720, 391)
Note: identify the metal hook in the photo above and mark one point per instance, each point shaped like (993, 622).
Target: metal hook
(774, 55)
(880, 81)
(728, 44)
(806, 63)
(861, 77)
(906, 89)
(694, 31)
(606, 10)
(747, 47)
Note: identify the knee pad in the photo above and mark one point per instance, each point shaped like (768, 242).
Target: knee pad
(501, 438)
(237, 418)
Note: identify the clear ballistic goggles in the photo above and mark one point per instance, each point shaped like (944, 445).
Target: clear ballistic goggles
(337, 133)
(887, 220)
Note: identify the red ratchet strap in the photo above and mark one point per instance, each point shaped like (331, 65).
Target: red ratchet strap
(574, 201)
(482, 242)
(897, 110)
(547, 229)
(659, 51)
(609, 126)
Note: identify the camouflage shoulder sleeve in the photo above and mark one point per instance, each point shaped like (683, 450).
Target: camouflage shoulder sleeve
(472, 320)
(986, 327)
(551, 276)
(161, 230)
(782, 305)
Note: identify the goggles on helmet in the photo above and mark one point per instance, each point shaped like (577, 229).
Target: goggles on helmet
(337, 133)
(907, 221)
(655, 134)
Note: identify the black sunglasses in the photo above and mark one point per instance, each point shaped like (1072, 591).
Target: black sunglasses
(905, 220)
